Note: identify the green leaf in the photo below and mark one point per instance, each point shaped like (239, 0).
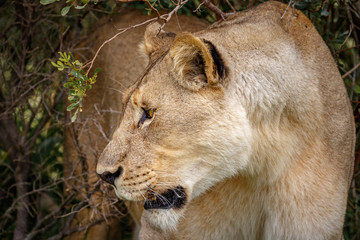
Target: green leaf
(60, 64)
(46, 2)
(92, 80)
(357, 89)
(81, 7)
(97, 71)
(68, 85)
(65, 10)
(72, 106)
(76, 74)
(54, 64)
(73, 118)
(77, 63)
(75, 99)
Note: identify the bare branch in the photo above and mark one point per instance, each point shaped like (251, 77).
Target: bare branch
(121, 31)
(230, 5)
(351, 70)
(216, 10)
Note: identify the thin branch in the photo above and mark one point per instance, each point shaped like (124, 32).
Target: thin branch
(346, 49)
(147, 2)
(292, 4)
(112, 38)
(198, 7)
(40, 223)
(351, 70)
(170, 14)
(216, 10)
(231, 6)
(286, 9)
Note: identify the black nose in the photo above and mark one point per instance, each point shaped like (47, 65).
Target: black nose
(110, 177)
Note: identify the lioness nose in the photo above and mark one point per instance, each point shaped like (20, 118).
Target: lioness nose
(110, 177)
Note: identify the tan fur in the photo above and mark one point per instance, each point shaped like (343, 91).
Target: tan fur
(183, 52)
(263, 148)
(121, 64)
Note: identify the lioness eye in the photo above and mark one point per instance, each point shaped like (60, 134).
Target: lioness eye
(148, 114)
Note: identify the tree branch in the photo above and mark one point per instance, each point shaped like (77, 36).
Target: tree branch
(216, 10)
(350, 71)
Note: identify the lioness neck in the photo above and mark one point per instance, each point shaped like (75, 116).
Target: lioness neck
(246, 207)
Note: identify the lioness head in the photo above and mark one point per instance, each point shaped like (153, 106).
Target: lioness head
(180, 132)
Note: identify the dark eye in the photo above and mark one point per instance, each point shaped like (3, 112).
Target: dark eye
(147, 114)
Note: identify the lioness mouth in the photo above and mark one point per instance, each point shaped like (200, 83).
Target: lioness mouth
(172, 198)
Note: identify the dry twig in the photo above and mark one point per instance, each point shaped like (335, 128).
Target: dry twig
(351, 70)
(216, 10)
(165, 17)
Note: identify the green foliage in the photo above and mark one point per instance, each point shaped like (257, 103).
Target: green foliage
(73, 3)
(46, 2)
(78, 83)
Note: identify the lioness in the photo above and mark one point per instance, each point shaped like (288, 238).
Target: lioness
(241, 131)
(86, 139)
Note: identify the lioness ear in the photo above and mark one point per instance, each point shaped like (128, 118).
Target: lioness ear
(155, 38)
(196, 63)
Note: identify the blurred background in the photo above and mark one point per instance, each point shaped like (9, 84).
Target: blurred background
(42, 194)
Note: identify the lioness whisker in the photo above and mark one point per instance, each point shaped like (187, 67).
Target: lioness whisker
(118, 82)
(160, 197)
(176, 193)
(165, 175)
(163, 184)
(160, 171)
(117, 90)
(142, 195)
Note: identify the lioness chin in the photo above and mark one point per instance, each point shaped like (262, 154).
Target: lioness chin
(240, 131)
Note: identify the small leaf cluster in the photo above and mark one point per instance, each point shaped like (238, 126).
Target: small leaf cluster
(78, 82)
(73, 3)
